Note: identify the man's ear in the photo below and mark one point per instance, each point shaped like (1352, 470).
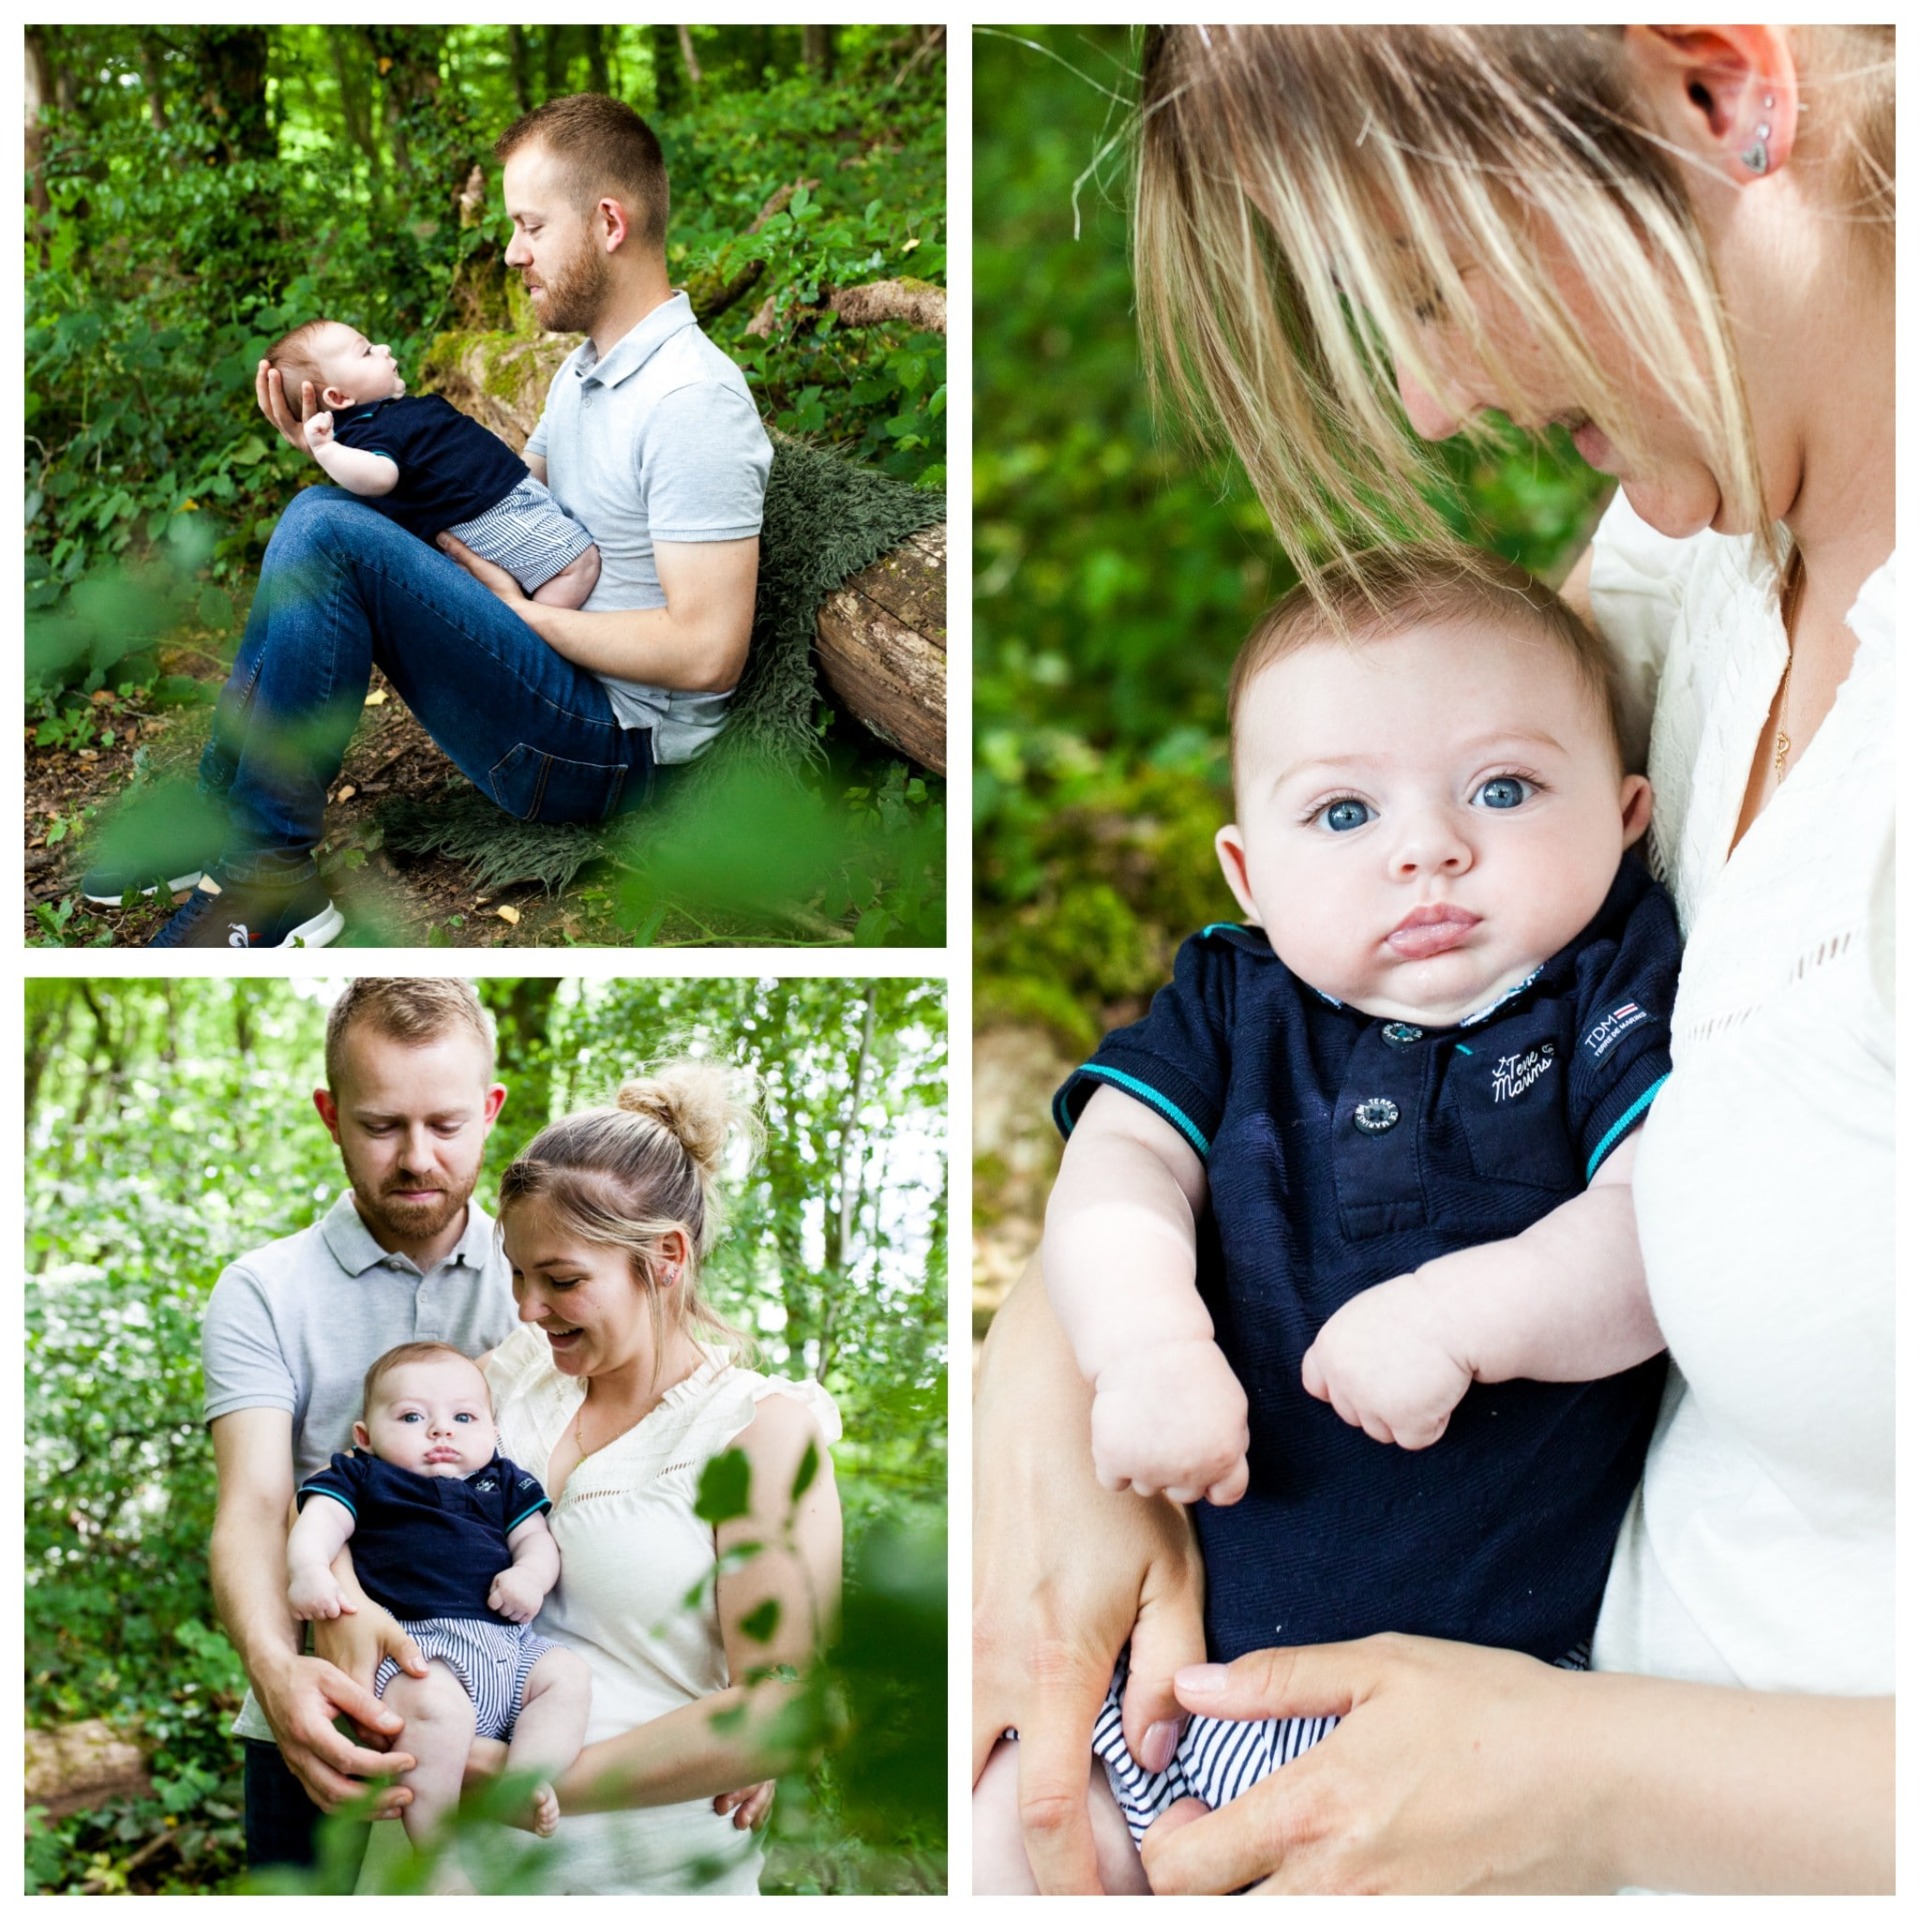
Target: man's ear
(1728, 96)
(1636, 808)
(323, 1105)
(1231, 846)
(617, 228)
(361, 1437)
(496, 1099)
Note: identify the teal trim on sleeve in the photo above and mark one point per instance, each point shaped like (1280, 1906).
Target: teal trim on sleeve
(1221, 926)
(1156, 1100)
(331, 1495)
(542, 1505)
(1620, 1126)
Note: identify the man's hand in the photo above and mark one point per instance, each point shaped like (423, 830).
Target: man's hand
(746, 1807)
(362, 1637)
(314, 1594)
(1389, 1362)
(301, 1702)
(496, 580)
(1172, 1420)
(318, 431)
(269, 395)
(517, 1593)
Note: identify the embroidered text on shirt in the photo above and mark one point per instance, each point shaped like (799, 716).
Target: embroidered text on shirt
(1599, 1038)
(1518, 1071)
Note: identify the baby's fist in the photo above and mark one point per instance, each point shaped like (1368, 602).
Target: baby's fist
(517, 1594)
(1172, 1421)
(314, 1594)
(1386, 1363)
(318, 429)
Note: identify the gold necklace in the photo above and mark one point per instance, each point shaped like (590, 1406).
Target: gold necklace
(1789, 606)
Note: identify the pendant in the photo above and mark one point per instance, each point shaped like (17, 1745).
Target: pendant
(1780, 745)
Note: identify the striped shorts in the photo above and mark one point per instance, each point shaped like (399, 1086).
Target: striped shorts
(528, 533)
(1216, 1760)
(491, 1659)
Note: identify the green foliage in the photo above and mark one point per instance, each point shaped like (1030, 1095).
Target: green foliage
(169, 1129)
(1116, 573)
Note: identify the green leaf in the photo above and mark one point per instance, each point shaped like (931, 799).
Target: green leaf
(804, 1476)
(249, 453)
(724, 1485)
(762, 1622)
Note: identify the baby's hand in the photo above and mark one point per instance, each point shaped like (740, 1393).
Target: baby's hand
(319, 430)
(1387, 1363)
(517, 1593)
(1172, 1421)
(314, 1594)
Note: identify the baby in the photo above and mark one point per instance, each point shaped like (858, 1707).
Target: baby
(1373, 1148)
(450, 1538)
(424, 464)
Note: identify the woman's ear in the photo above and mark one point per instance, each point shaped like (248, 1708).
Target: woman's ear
(1636, 808)
(1728, 96)
(1230, 844)
(673, 1254)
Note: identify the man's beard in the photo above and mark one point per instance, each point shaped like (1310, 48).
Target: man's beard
(410, 1224)
(575, 293)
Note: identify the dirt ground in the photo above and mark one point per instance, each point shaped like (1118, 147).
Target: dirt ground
(388, 900)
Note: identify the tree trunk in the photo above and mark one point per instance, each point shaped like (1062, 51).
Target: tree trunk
(694, 75)
(356, 99)
(82, 1765)
(520, 65)
(151, 72)
(597, 78)
(556, 62)
(40, 86)
(883, 647)
(231, 64)
(816, 45)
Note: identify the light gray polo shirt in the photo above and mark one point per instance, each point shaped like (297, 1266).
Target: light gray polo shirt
(657, 440)
(297, 1324)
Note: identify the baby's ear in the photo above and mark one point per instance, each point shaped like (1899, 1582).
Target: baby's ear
(361, 1437)
(1230, 844)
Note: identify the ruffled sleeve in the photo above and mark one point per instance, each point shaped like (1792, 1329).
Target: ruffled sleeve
(717, 1405)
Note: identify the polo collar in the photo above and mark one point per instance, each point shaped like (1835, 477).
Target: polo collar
(636, 347)
(358, 1252)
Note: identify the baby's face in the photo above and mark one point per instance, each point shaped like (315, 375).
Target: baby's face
(352, 366)
(1425, 816)
(431, 1417)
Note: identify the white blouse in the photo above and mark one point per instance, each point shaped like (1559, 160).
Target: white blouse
(1759, 1550)
(636, 1598)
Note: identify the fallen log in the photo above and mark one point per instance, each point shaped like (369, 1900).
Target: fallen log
(883, 647)
(85, 1764)
(919, 303)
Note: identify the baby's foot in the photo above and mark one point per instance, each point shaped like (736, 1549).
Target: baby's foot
(543, 1807)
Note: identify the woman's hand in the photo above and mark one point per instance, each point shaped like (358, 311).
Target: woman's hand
(269, 393)
(1064, 1574)
(1454, 1769)
(496, 580)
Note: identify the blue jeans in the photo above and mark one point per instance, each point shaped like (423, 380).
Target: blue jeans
(342, 590)
(280, 1819)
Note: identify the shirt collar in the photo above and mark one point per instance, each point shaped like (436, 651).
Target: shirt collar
(637, 346)
(353, 1245)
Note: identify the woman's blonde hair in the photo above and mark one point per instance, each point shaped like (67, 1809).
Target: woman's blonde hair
(627, 1175)
(1306, 197)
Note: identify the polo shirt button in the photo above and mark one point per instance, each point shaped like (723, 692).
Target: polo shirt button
(1376, 1116)
(1398, 1034)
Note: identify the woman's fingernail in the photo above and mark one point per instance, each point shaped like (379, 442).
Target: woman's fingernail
(1157, 1749)
(1207, 1679)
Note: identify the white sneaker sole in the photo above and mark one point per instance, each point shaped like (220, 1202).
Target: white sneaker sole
(321, 931)
(179, 884)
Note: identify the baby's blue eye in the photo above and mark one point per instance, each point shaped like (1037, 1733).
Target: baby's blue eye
(408, 1419)
(467, 1417)
(1503, 793)
(1344, 815)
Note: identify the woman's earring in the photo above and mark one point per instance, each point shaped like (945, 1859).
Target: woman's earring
(1755, 156)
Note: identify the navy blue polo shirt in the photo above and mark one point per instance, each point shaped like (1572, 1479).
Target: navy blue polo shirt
(1342, 1151)
(428, 1548)
(451, 468)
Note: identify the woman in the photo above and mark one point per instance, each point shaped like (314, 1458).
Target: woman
(619, 1388)
(1677, 243)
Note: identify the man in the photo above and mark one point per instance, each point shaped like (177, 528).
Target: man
(650, 438)
(290, 1331)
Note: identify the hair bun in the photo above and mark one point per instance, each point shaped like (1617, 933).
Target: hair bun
(699, 1102)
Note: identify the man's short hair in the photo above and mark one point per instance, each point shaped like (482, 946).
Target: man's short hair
(412, 1011)
(1387, 589)
(293, 353)
(605, 147)
(405, 1356)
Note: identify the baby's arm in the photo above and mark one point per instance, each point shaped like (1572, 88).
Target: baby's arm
(518, 1590)
(367, 474)
(1168, 1415)
(1566, 1300)
(321, 1529)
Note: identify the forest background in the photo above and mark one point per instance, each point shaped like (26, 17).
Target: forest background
(170, 1129)
(1116, 572)
(192, 192)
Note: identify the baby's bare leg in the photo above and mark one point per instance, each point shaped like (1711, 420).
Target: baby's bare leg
(1000, 1851)
(571, 585)
(439, 1719)
(550, 1730)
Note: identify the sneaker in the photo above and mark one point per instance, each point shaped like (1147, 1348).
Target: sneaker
(107, 884)
(253, 914)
